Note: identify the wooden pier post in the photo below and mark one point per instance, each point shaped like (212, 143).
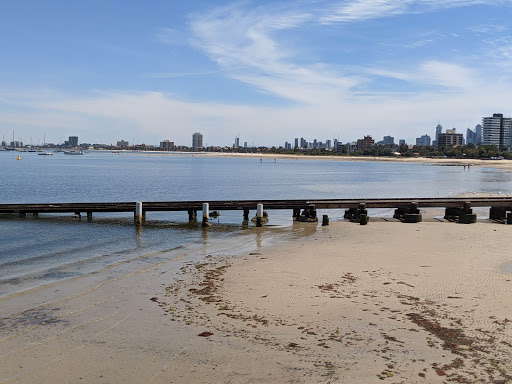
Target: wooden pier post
(362, 213)
(259, 215)
(138, 211)
(412, 215)
(89, 215)
(35, 214)
(325, 220)
(206, 216)
(509, 218)
(246, 215)
(192, 215)
(497, 213)
(467, 216)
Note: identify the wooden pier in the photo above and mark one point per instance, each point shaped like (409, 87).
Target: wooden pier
(406, 209)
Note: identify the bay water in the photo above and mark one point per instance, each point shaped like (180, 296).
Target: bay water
(35, 251)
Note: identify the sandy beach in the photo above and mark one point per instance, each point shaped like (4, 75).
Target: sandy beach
(389, 301)
(492, 163)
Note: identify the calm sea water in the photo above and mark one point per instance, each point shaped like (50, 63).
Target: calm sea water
(35, 251)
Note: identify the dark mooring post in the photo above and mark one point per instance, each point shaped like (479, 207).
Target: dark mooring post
(246, 215)
(509, 218)
(467, 216)
(296, 213)
(325, 220)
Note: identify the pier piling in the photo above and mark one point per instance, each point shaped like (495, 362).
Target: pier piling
(497, 213)
(467, 216)
(325, 220)
(206, 216)
(246, 215)
(138, 211)
(192, 215)
(259, 215)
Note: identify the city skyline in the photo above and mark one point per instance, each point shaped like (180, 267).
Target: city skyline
(263, 71)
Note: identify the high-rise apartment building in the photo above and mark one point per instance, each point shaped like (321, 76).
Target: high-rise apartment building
(167, 145)
(497, 130)
(73, 141)
(450, 139)
(197, 141)
(365, 143)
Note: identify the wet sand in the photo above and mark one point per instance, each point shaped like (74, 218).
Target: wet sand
(394, 302)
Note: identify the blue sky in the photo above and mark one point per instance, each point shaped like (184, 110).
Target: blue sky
(268, 71)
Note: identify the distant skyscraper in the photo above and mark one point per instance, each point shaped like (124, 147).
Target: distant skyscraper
(197, 141)
(478, 131)
(237, 142)
(73, 141)
(388, 140)
(439, 129)
(296, 142)
(401, 142)
(423, 141)
(303, 143)
(497, 130)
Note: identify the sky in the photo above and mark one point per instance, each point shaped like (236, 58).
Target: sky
(266, 71)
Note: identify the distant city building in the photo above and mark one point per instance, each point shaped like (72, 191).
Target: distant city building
(4, 144)
(439, 129)
(478, 131)
(497, 130)
(423, 141)
(237, 142)
(365, 143)
(303, 143)
(387, 140)
(401, 142)
(245, 144)
(351, 147)
(16, 144)
(73, 141)
(472, 137)
(167, 145)
(328, 144)
(287, 145)
(338, 145)
(450, 139)
(296, 142)
(122, 144)
(197, 141)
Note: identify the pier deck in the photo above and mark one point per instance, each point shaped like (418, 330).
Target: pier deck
(406, 209)
(505, 202)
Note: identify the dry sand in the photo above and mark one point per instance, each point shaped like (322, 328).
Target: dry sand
(400, 303)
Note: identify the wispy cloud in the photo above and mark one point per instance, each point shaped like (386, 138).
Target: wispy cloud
(360, 10)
